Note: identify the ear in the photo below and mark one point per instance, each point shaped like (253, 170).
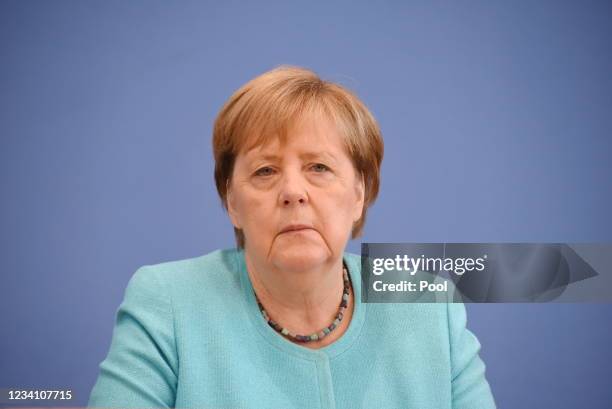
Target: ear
(231, 206)
(360, 192)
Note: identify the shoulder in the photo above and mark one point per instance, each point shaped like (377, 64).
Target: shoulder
(210, 273)
(215, 261)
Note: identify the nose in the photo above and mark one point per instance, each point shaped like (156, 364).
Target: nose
(293, 190)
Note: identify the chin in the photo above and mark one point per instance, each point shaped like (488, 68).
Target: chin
(300, 257)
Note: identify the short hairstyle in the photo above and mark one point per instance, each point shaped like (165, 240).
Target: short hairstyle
(269, 105)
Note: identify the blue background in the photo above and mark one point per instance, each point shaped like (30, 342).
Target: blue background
(497, 119)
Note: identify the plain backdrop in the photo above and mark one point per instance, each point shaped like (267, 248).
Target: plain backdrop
(497, 120)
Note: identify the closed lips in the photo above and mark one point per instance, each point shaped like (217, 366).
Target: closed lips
(295, 227)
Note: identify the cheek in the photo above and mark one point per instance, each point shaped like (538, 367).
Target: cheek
(247, 198)
(255, 209)
(339, 204)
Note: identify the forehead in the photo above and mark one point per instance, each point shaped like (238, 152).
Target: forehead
(312, 133)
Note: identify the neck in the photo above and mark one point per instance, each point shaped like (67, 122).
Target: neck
(304, 301)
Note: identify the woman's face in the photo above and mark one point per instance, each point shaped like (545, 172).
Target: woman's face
(296, 203)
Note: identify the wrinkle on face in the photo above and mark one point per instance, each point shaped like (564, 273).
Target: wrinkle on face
(333, 198)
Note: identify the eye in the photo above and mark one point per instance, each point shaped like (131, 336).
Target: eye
(319, 168)
(265, 171)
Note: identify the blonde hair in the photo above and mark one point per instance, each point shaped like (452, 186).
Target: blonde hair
(267, 106)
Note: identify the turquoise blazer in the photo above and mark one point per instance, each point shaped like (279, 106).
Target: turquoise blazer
(189, 334)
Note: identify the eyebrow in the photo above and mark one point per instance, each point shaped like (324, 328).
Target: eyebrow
(305, 155)
(320, 154)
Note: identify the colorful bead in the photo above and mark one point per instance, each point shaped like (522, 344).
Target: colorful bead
(317, 335)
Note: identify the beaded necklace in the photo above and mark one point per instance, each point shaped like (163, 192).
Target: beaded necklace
(316, 335)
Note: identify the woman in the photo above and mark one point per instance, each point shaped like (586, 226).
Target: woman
(279, 322)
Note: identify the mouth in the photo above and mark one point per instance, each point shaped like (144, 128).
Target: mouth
(295, 228)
